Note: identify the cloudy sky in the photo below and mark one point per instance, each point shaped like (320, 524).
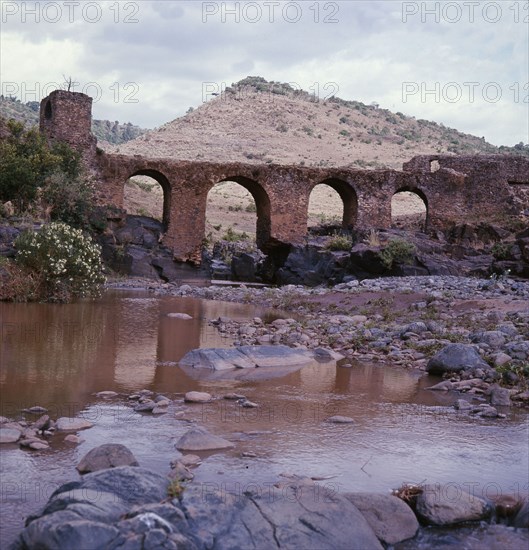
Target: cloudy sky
(464, 64)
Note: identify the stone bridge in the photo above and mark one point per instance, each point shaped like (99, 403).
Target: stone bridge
(454, 189)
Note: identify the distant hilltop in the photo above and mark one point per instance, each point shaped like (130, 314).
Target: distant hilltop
(256, 121)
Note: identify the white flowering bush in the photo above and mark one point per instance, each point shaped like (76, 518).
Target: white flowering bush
(67, 260)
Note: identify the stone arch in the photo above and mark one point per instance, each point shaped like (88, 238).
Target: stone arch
(262, 205)
(349, 199)
(418, 204)
(166, 188)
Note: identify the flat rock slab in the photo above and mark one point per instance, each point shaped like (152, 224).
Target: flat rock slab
(66, 424)
(246, 362)
(199, 439)
(109, 455)
(246, 357)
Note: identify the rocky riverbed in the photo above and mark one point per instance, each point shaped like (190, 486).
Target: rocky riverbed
(406, 321)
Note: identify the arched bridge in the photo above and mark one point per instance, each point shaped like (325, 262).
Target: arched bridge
(454, 189)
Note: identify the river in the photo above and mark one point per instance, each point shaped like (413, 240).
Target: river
(58, 356)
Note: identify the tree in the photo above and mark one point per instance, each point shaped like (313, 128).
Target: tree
(26, 161)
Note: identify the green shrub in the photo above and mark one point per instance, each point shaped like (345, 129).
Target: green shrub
(26, 161)
(70, 200)
(340, 242)
(501, 251)
(233, 236)
(67, 259)
(397, 251)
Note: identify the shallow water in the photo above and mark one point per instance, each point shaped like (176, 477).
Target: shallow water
(58, 356)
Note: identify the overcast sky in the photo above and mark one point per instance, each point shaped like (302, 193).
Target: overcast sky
(464, 64)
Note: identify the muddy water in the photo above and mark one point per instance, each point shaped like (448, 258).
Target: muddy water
(58, 356)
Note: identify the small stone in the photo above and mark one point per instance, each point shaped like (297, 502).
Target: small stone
(38, 445)
(36, 410)
(106, 394)
(489, 412)
(9, 435)
(109, 455)
(190, 460)
(71, 438)
(73, 424)
(146, 406)
(462, 405)
(41, 423)
(159, 410)
(3, 419)
(199, 439)
(249, 405)
(500, 359)
(180, 472)
(341, 419)
(248, 454)
(183, 316)
(234, 396)
(197, 397)
(445, 385)
(500, 397)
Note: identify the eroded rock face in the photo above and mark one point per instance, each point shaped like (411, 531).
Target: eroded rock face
(109, 455)
(455, 358)
(437, 505)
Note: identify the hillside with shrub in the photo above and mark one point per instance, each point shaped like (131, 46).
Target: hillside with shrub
(256, 121)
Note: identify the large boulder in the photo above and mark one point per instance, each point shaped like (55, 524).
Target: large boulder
(86, 514)
(246, 357)
(391, 518)
(455, 358)
(444, 505)
(109, 455)
(128, 508)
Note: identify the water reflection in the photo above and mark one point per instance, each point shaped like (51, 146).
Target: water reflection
(58, 355)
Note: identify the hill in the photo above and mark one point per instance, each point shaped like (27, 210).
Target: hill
(107, 132)
(257, 121)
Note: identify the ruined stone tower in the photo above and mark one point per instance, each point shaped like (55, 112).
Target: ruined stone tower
(67, 116)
